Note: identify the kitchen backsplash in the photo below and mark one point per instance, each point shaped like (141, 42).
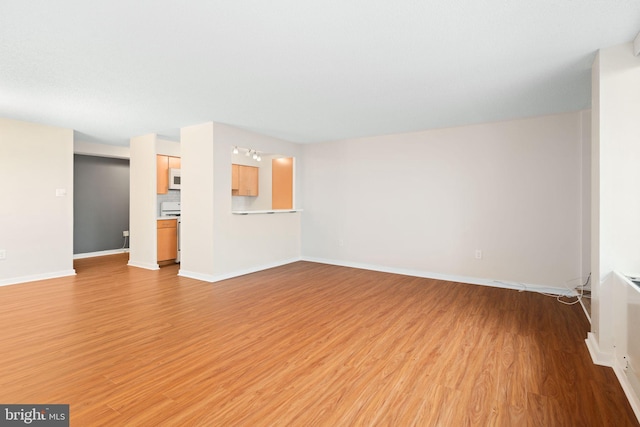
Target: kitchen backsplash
(243, 203)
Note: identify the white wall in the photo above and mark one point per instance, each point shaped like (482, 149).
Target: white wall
(196, 198)
(596, 277)
(168, 148)
(424, 202)
(585, 181)
(142, 204)
(100, 150)
(240, 243)
(616, 207)
(37, 226)
(619, 113)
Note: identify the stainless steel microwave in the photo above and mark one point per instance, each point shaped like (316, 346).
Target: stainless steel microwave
(174, 179)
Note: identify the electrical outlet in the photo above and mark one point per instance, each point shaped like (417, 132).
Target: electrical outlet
(3, 254)
(341, 242)
(125, 233)
(478, 254)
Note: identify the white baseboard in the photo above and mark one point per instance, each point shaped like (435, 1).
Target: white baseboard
(145, 265)
(100, 253)
(599, 357)
(628, 388)
(446, 277)
(607, 359)
(586, 313)
(405, 272)
(216, 278)
(35, 277)
(195, 275)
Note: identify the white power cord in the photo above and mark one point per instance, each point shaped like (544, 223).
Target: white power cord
(579, 296)
(558, 298)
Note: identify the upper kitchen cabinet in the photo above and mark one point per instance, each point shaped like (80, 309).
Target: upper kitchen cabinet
(276, 174)
(235, 178)
(244, 180)
(164, 164)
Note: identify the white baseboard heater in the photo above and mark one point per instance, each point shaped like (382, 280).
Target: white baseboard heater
(626, 302)
(632, 357)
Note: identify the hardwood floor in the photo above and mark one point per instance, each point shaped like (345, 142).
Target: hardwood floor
(304, 344)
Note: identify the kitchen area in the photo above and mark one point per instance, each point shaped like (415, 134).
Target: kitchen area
(257, 186)
(168, 199)
(248, 172)
(223, 234)
(156, 166)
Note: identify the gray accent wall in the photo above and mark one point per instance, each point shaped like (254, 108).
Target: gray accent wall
(100, 203)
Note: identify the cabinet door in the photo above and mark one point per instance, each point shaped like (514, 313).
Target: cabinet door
(162, 172)
(167, 240)
(248, 180)
(174, 162)
(282, 183)
(163, 163)
(235, 184)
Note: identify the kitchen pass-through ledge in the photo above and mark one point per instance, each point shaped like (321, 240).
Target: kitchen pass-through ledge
(274, 211)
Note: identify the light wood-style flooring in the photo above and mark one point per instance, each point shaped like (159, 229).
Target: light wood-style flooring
(304, 344)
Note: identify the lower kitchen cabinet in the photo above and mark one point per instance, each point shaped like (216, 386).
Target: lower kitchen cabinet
(167, 239)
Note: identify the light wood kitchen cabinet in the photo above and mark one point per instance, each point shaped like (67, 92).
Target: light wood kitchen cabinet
(167, 239)
(282, 183)
(163, 164)
(246, 180)
(235, 179)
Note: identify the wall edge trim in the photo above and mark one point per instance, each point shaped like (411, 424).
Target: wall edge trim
(100, 253)
(145, 265)
(219, 277)
(446, 277)
(597, 356)
(632, 397)
(37, 277)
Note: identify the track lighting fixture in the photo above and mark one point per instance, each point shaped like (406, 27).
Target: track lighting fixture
(249, 152)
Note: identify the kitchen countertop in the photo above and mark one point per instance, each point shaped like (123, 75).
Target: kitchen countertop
(273, 211)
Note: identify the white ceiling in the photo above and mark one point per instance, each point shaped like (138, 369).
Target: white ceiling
(299, 70)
